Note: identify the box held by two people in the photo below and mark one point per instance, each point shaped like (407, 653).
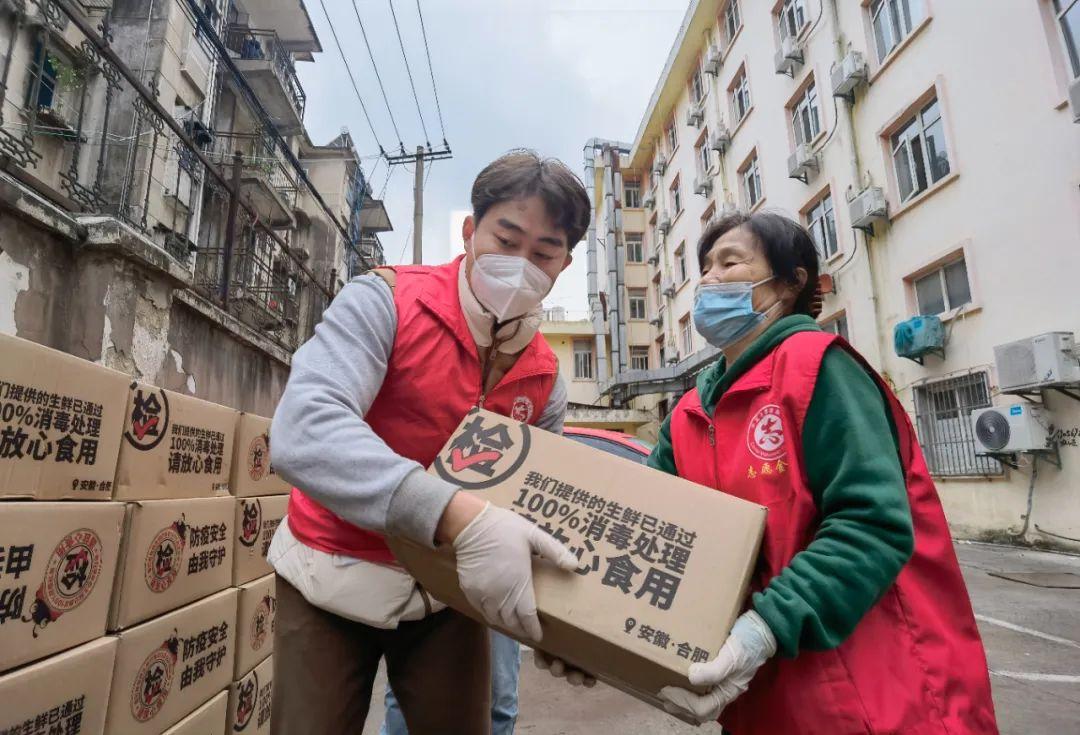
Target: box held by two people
(174, 552)
(250, 700)
(665, 563)
(256, 521)
(57, 570)
(168, 667)
(69, 691)
(252, 469)
(175, 446)
(60, 423)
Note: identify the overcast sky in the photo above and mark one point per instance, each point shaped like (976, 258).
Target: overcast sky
(543, 74)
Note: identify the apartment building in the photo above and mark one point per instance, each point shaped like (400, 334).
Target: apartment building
(931, 148)
(162, 208)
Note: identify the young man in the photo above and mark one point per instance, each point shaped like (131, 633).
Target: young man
(399, 358)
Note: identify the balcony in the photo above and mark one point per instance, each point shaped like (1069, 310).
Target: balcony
(267, 66)
(267, 181)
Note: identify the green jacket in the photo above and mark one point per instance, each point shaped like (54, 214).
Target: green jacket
(865, 536)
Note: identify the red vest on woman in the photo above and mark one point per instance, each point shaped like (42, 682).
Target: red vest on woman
(434, 378)
(915, 663)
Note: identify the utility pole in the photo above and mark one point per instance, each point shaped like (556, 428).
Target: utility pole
(418, 159)
(418, 209)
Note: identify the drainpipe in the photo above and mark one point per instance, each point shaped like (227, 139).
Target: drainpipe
(619, 253)
(847, 123)
(596, 311)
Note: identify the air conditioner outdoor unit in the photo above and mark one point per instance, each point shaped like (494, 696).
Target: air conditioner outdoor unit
(802, 162)
(1074, 100)
(919, 336)
(657, 321)
(720, 139)
(1021, 427)
(868, 206)
(663, 223)
(712, 60)
(695, 116)
(789, 56)
(702, 184)
(1044, 361)
(654, 256)
(649, 201)
(668, 288)
(660, 166)
(726, 210)
(847, 74)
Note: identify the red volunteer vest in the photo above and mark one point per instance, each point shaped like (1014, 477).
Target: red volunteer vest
(434, 378)
(915, 663)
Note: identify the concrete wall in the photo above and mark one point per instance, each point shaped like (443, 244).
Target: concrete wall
(1010, 204)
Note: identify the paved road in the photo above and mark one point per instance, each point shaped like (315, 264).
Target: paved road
(1032, 636)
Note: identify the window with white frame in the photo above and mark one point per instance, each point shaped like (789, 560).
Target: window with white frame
(697, 86)
(631, 193)
(686, 334)
(583, 359)
(944, 289)
(676, 196)
(821, 221)
(792, 18)
(681, 272)
(1068, 18)
(702, 154)
(639, 358)
(943, 411)
(805, 117)
(893, 21)
(751, 181)
(732, 21)
(635, 248)
(740, 97)
(638, 303)
(837, 325)
(672, 137)
(919, 151)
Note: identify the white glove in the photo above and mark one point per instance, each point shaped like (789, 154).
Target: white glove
(750, 644)
(494, 566)
(560, 669)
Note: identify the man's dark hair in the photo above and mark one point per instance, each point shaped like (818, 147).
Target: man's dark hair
(523, 173)
(786, 245)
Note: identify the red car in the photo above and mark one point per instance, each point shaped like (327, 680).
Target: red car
(613, 442)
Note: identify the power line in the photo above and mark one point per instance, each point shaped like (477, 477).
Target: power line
(386, 181)
(352, 79)
(401, 43)
(431, 69)
(363, 32)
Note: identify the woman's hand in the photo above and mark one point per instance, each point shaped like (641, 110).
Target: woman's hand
(559, 669)
(750, 645)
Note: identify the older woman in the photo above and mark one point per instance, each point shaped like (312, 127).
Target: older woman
(859, 621)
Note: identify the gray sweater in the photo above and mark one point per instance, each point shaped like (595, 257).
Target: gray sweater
(321, 442)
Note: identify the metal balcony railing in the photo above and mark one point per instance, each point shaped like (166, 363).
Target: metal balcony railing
(260, 157)
(252, 43)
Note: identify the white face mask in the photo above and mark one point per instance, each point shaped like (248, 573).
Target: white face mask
(507, 285)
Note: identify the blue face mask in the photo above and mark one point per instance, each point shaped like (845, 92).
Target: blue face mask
(724, 312)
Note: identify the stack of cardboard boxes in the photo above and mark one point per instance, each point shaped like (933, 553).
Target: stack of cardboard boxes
(150, 610)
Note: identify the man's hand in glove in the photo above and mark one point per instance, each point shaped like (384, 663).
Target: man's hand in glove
(494, 566)
(750, 644)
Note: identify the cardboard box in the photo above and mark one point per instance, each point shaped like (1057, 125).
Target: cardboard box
(175, 446)
(252, 469)
(57, 569)
(60, 420)
(255, 624)
(69, 692)
(210, 719)
(256, 521)
(168, 667)
(249, 700)
(665, 563)
(174, 552)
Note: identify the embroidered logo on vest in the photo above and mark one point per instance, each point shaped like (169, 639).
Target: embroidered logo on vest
(522, 410)
(765, 434)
